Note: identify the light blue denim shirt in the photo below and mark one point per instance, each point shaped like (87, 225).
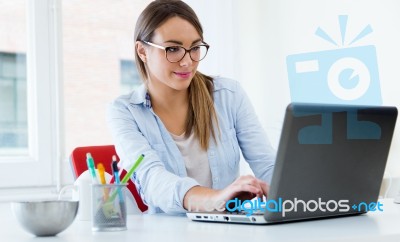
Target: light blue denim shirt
(161, 179)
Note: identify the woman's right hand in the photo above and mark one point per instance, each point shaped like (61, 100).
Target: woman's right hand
(206, 199)
(243, 188)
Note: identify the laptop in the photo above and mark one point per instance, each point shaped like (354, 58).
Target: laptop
(330, 162)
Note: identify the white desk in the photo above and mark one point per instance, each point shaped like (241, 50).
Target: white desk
(374, 226)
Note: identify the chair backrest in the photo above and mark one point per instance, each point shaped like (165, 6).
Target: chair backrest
(101, 154)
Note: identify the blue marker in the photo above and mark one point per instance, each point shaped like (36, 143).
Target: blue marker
(114, 168)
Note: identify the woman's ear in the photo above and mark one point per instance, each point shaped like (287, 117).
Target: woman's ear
(141, 50)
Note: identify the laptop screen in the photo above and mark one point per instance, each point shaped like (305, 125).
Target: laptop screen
(331, 160)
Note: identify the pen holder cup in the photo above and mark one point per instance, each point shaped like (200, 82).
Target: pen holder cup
(108, 207)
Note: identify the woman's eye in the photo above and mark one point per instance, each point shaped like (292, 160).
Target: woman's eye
(196, 48)
(173, 49)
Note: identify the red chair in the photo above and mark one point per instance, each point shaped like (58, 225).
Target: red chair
(104, 155)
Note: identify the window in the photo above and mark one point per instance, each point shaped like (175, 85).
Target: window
(98, 66)
(57, 77)
(28, 94)
(97, 51)
(130, 78)
(13, 105)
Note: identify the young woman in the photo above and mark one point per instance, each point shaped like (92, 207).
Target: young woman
(190, 126)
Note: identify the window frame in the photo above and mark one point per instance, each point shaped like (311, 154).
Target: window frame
(44, 71)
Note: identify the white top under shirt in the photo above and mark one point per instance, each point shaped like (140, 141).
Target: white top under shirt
(195, 158)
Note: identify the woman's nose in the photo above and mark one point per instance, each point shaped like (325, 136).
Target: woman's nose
(186, 61)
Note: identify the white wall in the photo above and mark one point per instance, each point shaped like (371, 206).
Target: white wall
(252, 39)
(221, 34)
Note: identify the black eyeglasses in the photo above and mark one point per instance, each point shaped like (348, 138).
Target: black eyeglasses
(177, 53)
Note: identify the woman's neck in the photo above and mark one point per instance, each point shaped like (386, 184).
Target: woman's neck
(167, 99)
(171, 106)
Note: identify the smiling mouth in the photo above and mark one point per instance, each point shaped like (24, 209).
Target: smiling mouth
(182, 74)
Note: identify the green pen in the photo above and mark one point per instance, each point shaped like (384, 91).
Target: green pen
(127, 176)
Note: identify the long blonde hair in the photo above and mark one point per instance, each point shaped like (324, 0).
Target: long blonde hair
(201, 114)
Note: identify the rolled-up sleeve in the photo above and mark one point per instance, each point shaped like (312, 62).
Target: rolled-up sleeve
(160, 188)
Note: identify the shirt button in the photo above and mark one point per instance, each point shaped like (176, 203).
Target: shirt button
(212, 153)
(216, 179)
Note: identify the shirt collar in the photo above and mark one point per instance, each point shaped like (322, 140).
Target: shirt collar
(141, 96)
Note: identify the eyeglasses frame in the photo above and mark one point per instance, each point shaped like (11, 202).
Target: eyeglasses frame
(165, 48)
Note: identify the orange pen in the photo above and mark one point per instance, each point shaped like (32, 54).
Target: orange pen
(101, 169)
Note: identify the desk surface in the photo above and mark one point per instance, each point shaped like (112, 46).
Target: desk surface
(374, 226)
